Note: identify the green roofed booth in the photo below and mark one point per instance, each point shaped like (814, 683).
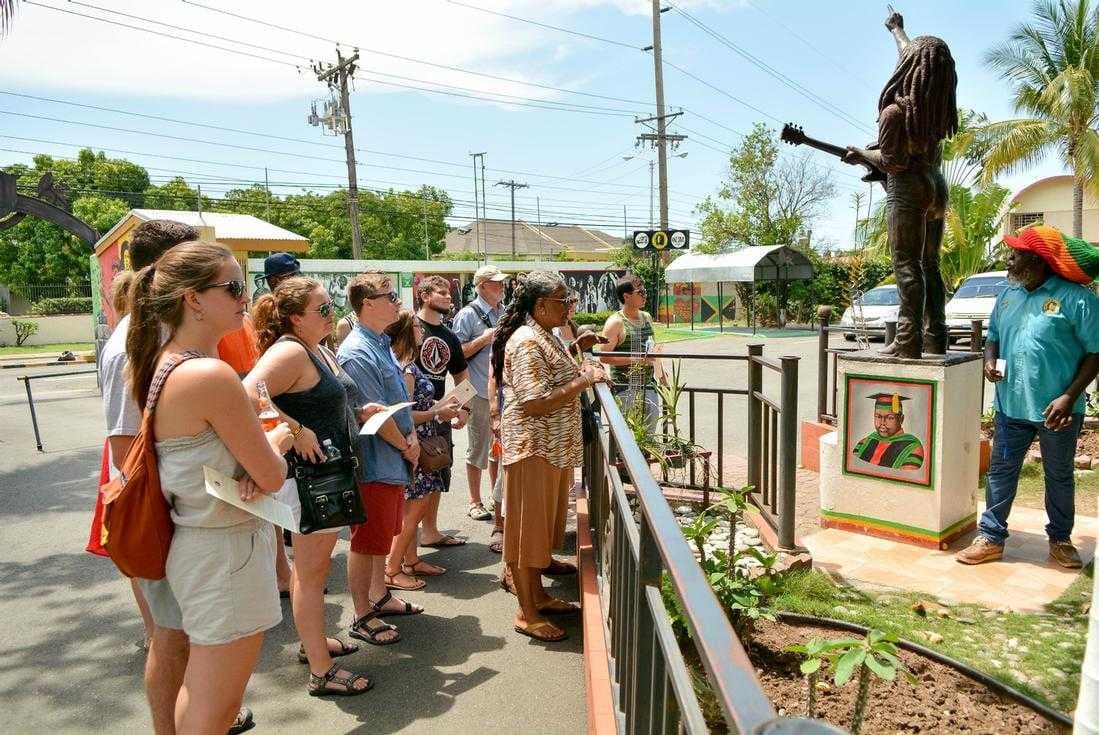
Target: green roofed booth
(751, 264)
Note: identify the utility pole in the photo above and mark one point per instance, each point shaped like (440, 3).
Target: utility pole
(660, 139)
(484, 204)
(267, 188)
(427, 245)
(538, 203)
(476, 214)
(652, 165)
(338, 119)
(513, 185)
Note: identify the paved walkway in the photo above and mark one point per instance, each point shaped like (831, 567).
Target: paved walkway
(68, 663)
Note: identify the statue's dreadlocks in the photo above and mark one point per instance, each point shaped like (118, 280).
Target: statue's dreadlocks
(924, 86)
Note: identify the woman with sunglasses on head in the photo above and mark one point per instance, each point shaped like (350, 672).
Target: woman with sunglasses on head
(220, 566)
(403, 564)
(310, 393)
(542, 440)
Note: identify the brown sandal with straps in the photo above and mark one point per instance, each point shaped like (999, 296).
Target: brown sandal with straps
(319, 684)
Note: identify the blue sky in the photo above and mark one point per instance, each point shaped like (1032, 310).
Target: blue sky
(571, 160)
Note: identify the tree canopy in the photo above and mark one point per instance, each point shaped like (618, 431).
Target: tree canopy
(396, 225)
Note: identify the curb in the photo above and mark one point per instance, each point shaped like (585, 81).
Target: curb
(597, 673)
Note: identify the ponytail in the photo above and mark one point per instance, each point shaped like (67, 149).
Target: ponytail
(271, 313)
(143, 337)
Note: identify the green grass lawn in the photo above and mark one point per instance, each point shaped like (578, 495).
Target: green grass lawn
(663, 334)
(1032, 489)
(1038, 653)
(47, 349)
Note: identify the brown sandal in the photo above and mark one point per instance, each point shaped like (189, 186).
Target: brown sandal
(346, 649)
(391, 583)
(414, 569)
(318, 684)
(541, 631)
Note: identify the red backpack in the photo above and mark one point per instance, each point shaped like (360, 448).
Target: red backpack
(137, 525)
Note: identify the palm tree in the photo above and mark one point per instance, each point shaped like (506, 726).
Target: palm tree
(1052, 65)
(7, 12)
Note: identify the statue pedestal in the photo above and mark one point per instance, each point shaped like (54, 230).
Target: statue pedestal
(908, 475)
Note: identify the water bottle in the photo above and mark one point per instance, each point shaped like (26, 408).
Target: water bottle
(331, 453)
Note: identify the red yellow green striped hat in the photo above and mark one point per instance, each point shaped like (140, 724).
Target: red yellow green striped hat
(1072, 259)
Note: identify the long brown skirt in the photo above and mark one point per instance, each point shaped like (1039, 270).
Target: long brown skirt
(536, 498)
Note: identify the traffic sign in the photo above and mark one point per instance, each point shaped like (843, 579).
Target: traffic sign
(660, 240)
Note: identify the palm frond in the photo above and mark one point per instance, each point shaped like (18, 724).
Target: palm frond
(1015, 144)
(7, 14)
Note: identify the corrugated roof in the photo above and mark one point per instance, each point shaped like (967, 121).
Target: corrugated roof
(226, 226)
(747, 265)
(530, 238)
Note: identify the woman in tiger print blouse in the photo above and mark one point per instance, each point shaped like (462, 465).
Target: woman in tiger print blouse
(542, 440)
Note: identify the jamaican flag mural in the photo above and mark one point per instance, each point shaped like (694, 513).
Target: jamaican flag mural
(888, 428)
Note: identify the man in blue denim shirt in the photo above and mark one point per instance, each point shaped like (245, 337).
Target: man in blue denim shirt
(1045, 327)
(387, 456)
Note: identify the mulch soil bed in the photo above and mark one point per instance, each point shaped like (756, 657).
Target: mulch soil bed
(944, 701)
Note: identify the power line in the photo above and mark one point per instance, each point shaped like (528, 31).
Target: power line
(771, 71)
(570, 31)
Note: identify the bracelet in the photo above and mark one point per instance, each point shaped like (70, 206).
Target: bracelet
(295, 433)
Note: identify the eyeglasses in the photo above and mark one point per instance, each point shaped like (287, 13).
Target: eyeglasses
(235, 288)
(325, 309)
(392, 296)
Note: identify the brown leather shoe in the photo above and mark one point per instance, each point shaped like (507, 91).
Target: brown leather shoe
(1065, 554)
(980, 551)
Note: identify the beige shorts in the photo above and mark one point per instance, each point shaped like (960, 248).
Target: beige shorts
(479, 433)
(224, 581)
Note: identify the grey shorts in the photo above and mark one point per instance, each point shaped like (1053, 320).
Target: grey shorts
(224, 581)
(162, 603)
(479, 433)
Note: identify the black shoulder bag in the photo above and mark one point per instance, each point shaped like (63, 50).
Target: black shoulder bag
(329, 492)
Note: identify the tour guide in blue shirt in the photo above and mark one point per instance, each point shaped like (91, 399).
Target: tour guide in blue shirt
(1045, 327)
(386, 457)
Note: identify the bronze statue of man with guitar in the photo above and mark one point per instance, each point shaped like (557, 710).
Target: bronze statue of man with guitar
(916, 111)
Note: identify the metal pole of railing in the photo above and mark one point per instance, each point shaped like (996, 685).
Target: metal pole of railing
(648, 574)
(890, 332)
(976, 334)
(34, 417)
(825, 315)
(788, 449)
(755, 417)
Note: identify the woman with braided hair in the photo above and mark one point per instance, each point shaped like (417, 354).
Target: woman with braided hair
(917, 110)
(541, 437)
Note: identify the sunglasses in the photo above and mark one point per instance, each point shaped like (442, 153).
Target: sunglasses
(235, 288)
(393, 297)
(566, 300)
(325, 309)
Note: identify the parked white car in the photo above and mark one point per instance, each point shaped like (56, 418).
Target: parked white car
(975, 298)
(879, 305)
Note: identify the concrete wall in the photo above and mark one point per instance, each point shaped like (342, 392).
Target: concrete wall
(1052, 198)
(51, 329)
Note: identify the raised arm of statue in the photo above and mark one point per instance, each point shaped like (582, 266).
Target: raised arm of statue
(895, 25)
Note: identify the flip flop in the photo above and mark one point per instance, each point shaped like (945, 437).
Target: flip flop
(390, 583)
(535, 631)
(445, 541)
(558, 568)
(557, 606)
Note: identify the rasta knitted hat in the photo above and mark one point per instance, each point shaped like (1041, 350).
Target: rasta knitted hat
(1072, 259)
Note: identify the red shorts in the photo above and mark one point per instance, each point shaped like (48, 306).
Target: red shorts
(94, 546)
(384, 504)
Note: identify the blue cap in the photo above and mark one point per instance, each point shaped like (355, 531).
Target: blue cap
(279, 264)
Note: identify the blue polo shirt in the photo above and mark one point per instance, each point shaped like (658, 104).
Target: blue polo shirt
(468, 326)
(1043, 334)
(367, 359)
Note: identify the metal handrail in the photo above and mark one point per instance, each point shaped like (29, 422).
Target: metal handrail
(26, 379)
(661, 547)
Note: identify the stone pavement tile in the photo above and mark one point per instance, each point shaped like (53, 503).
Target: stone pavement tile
(1025, 580)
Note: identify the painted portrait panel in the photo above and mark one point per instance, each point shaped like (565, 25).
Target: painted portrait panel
(889, 428)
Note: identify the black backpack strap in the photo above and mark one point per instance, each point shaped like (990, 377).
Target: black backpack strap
(162, 376)
(481, 314)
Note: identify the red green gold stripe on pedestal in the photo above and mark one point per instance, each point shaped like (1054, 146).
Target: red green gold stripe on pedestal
(899, 529)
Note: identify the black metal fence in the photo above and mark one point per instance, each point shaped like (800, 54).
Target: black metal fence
(651, 681)
(772, 435)
(827, 364)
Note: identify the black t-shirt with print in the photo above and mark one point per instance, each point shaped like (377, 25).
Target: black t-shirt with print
(441, 353)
